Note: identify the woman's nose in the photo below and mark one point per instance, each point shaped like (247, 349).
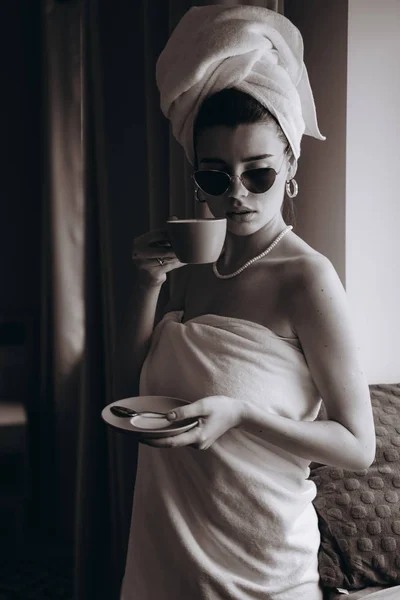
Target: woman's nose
(236, 187)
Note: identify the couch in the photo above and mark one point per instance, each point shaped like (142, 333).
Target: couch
(359, 513)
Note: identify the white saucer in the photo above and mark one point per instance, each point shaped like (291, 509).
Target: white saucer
(145, 427)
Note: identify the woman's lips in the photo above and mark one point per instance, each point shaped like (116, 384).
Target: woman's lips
(241, 216)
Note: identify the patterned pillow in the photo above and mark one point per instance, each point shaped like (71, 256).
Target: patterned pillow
(359, 512)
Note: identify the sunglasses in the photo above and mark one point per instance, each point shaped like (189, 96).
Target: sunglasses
(216, 183)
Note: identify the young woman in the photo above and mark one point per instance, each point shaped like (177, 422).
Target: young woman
(224, 511)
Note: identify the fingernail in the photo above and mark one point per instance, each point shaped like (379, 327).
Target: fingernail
(171, 416)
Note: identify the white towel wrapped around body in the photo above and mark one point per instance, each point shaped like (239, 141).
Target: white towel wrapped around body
(236, 521)
(250, 48)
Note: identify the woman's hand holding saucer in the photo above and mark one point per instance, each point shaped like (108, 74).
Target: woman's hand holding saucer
(216, 415)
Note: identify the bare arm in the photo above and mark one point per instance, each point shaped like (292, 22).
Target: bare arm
(134, 337)
(325, 442)
(136, 329)
(320, 316)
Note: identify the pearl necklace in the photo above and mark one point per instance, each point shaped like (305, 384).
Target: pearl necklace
(252, 260)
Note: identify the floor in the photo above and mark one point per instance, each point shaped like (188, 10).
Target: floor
(37, 573)
(31, 567)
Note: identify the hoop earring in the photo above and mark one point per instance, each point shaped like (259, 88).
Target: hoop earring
(196, 195)
(292, 193)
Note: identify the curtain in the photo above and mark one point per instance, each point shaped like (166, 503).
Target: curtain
(77, 319)
(113, 171)
(62, 318)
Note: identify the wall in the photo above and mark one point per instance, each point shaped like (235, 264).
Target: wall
(348, 206)
(321, 175)
(372, 188)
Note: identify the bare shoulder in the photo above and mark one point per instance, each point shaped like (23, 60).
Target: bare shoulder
(305, 268)
(318, 308)
(308, 271)
(313, 291)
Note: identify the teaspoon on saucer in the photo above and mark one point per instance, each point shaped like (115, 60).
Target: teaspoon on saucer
(123, 411)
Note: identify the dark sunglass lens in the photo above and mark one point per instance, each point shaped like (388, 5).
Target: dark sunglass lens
(259, 181)
(214, 183)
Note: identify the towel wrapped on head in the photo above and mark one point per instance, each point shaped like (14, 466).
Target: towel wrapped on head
(250, 48)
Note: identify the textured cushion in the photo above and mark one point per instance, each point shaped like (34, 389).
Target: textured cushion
(359, 512)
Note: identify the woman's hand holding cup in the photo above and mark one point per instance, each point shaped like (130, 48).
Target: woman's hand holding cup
(195, 241)
(154, 257)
